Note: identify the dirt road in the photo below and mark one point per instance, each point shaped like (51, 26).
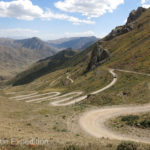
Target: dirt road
(65, 99)
(68, 77)
(93, 122)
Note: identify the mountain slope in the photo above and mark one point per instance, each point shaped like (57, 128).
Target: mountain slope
(38, 45)
(44, 66)
(132, 50)
(127, 50)
(16, 55)
(13, 60)
(7, 42)
(79, 43)
(35, 101)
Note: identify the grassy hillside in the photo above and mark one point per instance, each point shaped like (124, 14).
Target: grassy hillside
(132, 50)
(129, 50)
(44, 66)
(64, 59)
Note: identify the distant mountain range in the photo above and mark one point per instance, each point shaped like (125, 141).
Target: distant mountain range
(37, 45)
(79, 43)
(34, 44)
(13, 60)
(16, 55)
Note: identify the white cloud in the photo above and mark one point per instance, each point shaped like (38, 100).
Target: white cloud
(79, 34)
(28, 33)
(143, 1)
(89, 8)
(125, 21)
(72, 19)
(20, 9)
(18, 32)
(25, 10)
(146, 5)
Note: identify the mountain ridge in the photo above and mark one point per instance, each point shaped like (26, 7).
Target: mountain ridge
(16, 55)
(38, 45)
(79, 43)
(129, 26)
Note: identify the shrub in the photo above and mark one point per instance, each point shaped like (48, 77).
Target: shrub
(145, 123)
(126, 146)
(130, 120)
(72, 147)
(64, 130)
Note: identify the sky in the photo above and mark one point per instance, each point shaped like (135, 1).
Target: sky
(53, 19)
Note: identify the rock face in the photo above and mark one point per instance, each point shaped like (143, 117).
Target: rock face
(134, 15)
(118, 31)
(99, 56)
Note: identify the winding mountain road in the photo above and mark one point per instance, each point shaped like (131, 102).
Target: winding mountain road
(78, 99)
(65, 99)
(68, 98)
(93, 122)
(134, 72)
(68, 77)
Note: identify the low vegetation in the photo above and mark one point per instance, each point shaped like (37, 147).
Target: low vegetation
(126, 146)
(90, 146)
(142, 121)
(131, 51)
(136, 125)
(129, 89)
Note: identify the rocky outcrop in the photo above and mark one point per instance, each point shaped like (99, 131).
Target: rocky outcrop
(119, 30)
(99, 56)
(130, 25)
(135, 14)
